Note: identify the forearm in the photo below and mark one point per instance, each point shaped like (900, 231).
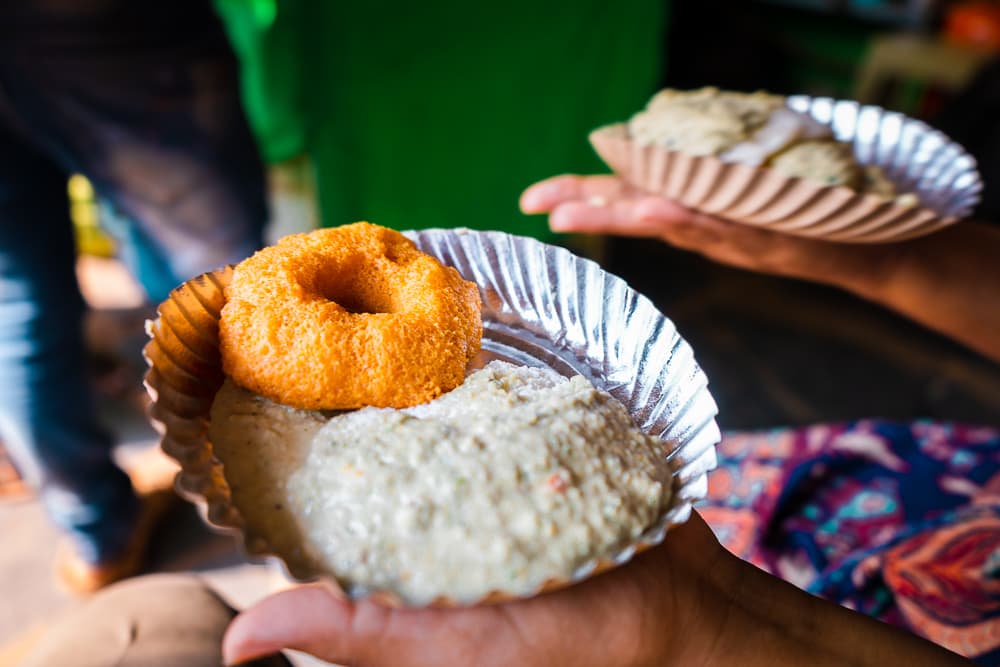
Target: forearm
(769, 622)
(949, 282)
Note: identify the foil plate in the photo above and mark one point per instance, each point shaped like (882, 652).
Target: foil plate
(914, 156)
(542, 306)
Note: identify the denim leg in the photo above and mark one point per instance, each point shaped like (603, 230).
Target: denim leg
(47, 416)
(191, 202)
(144, 100)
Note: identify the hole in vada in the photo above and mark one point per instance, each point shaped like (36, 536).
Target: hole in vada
(357, 306)
(354, 298)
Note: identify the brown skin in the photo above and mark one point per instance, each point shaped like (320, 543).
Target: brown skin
(687, 603)
(948, 281)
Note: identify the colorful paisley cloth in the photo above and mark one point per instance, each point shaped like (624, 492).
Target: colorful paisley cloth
(898, 521)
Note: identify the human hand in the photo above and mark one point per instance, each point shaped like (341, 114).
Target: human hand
(606, 205)
(685, 602)
(648, 612)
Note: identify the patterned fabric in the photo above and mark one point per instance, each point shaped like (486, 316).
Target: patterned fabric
(899, 521)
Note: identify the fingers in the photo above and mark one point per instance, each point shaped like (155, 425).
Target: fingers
(544, 196)
(605, 204)
(308, 619)
(645, 216)
(729, 243)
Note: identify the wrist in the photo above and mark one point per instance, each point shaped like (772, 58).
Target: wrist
(863, 270)
(766, 621)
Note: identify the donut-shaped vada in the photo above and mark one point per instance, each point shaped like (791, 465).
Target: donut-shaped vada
(348, 317)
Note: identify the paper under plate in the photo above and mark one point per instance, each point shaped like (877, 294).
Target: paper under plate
(542, 306)
(916, 157)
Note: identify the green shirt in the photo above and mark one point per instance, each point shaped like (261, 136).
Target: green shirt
(439, 114)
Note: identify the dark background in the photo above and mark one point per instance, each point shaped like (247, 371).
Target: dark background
(782, 352)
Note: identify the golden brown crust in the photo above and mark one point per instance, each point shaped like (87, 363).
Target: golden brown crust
(348, 317)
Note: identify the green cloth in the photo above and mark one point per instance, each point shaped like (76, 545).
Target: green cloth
(270, 63)
(439, 114)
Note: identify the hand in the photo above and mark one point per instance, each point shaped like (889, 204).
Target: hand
(648, 612)
(947, 281)
(605, 204)
(686, 602)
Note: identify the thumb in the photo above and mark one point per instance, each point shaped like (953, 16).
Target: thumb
(308, 618)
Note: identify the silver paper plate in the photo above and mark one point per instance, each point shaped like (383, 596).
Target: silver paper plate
(914, 156)
(542, 306)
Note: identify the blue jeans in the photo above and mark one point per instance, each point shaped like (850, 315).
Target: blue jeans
(146, 105)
